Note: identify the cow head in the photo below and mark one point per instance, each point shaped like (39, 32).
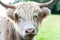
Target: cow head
(27, 16)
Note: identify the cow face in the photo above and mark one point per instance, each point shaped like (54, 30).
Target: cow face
(27, 17)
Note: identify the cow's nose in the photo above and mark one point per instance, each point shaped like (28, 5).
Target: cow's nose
(30, 31)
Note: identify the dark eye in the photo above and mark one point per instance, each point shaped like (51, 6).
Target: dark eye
(35, 17)
(19, 17)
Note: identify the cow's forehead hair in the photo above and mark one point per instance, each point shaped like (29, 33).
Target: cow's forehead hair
(28, 9)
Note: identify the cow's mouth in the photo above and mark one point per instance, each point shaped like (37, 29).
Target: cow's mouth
(29, 37)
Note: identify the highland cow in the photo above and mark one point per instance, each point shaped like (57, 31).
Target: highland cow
(23, 19)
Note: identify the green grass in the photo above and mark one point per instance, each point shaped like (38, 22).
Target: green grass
(50, 29)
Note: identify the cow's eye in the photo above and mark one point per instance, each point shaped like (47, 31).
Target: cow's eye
(19, 17)
(35, 17)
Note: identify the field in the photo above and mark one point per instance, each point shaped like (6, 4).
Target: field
(50, 29)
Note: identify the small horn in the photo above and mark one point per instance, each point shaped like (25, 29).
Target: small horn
(47, 4)
(6, 5)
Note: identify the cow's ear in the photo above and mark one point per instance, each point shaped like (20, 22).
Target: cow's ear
(45, 12)
(11, 15)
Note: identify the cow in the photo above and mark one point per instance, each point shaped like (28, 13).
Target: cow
(23, 19)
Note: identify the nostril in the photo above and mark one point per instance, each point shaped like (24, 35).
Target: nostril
(27, 31)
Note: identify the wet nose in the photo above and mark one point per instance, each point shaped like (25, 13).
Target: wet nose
(30, 31)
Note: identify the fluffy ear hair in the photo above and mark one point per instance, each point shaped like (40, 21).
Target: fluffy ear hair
(45, 12)
(11, 15)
